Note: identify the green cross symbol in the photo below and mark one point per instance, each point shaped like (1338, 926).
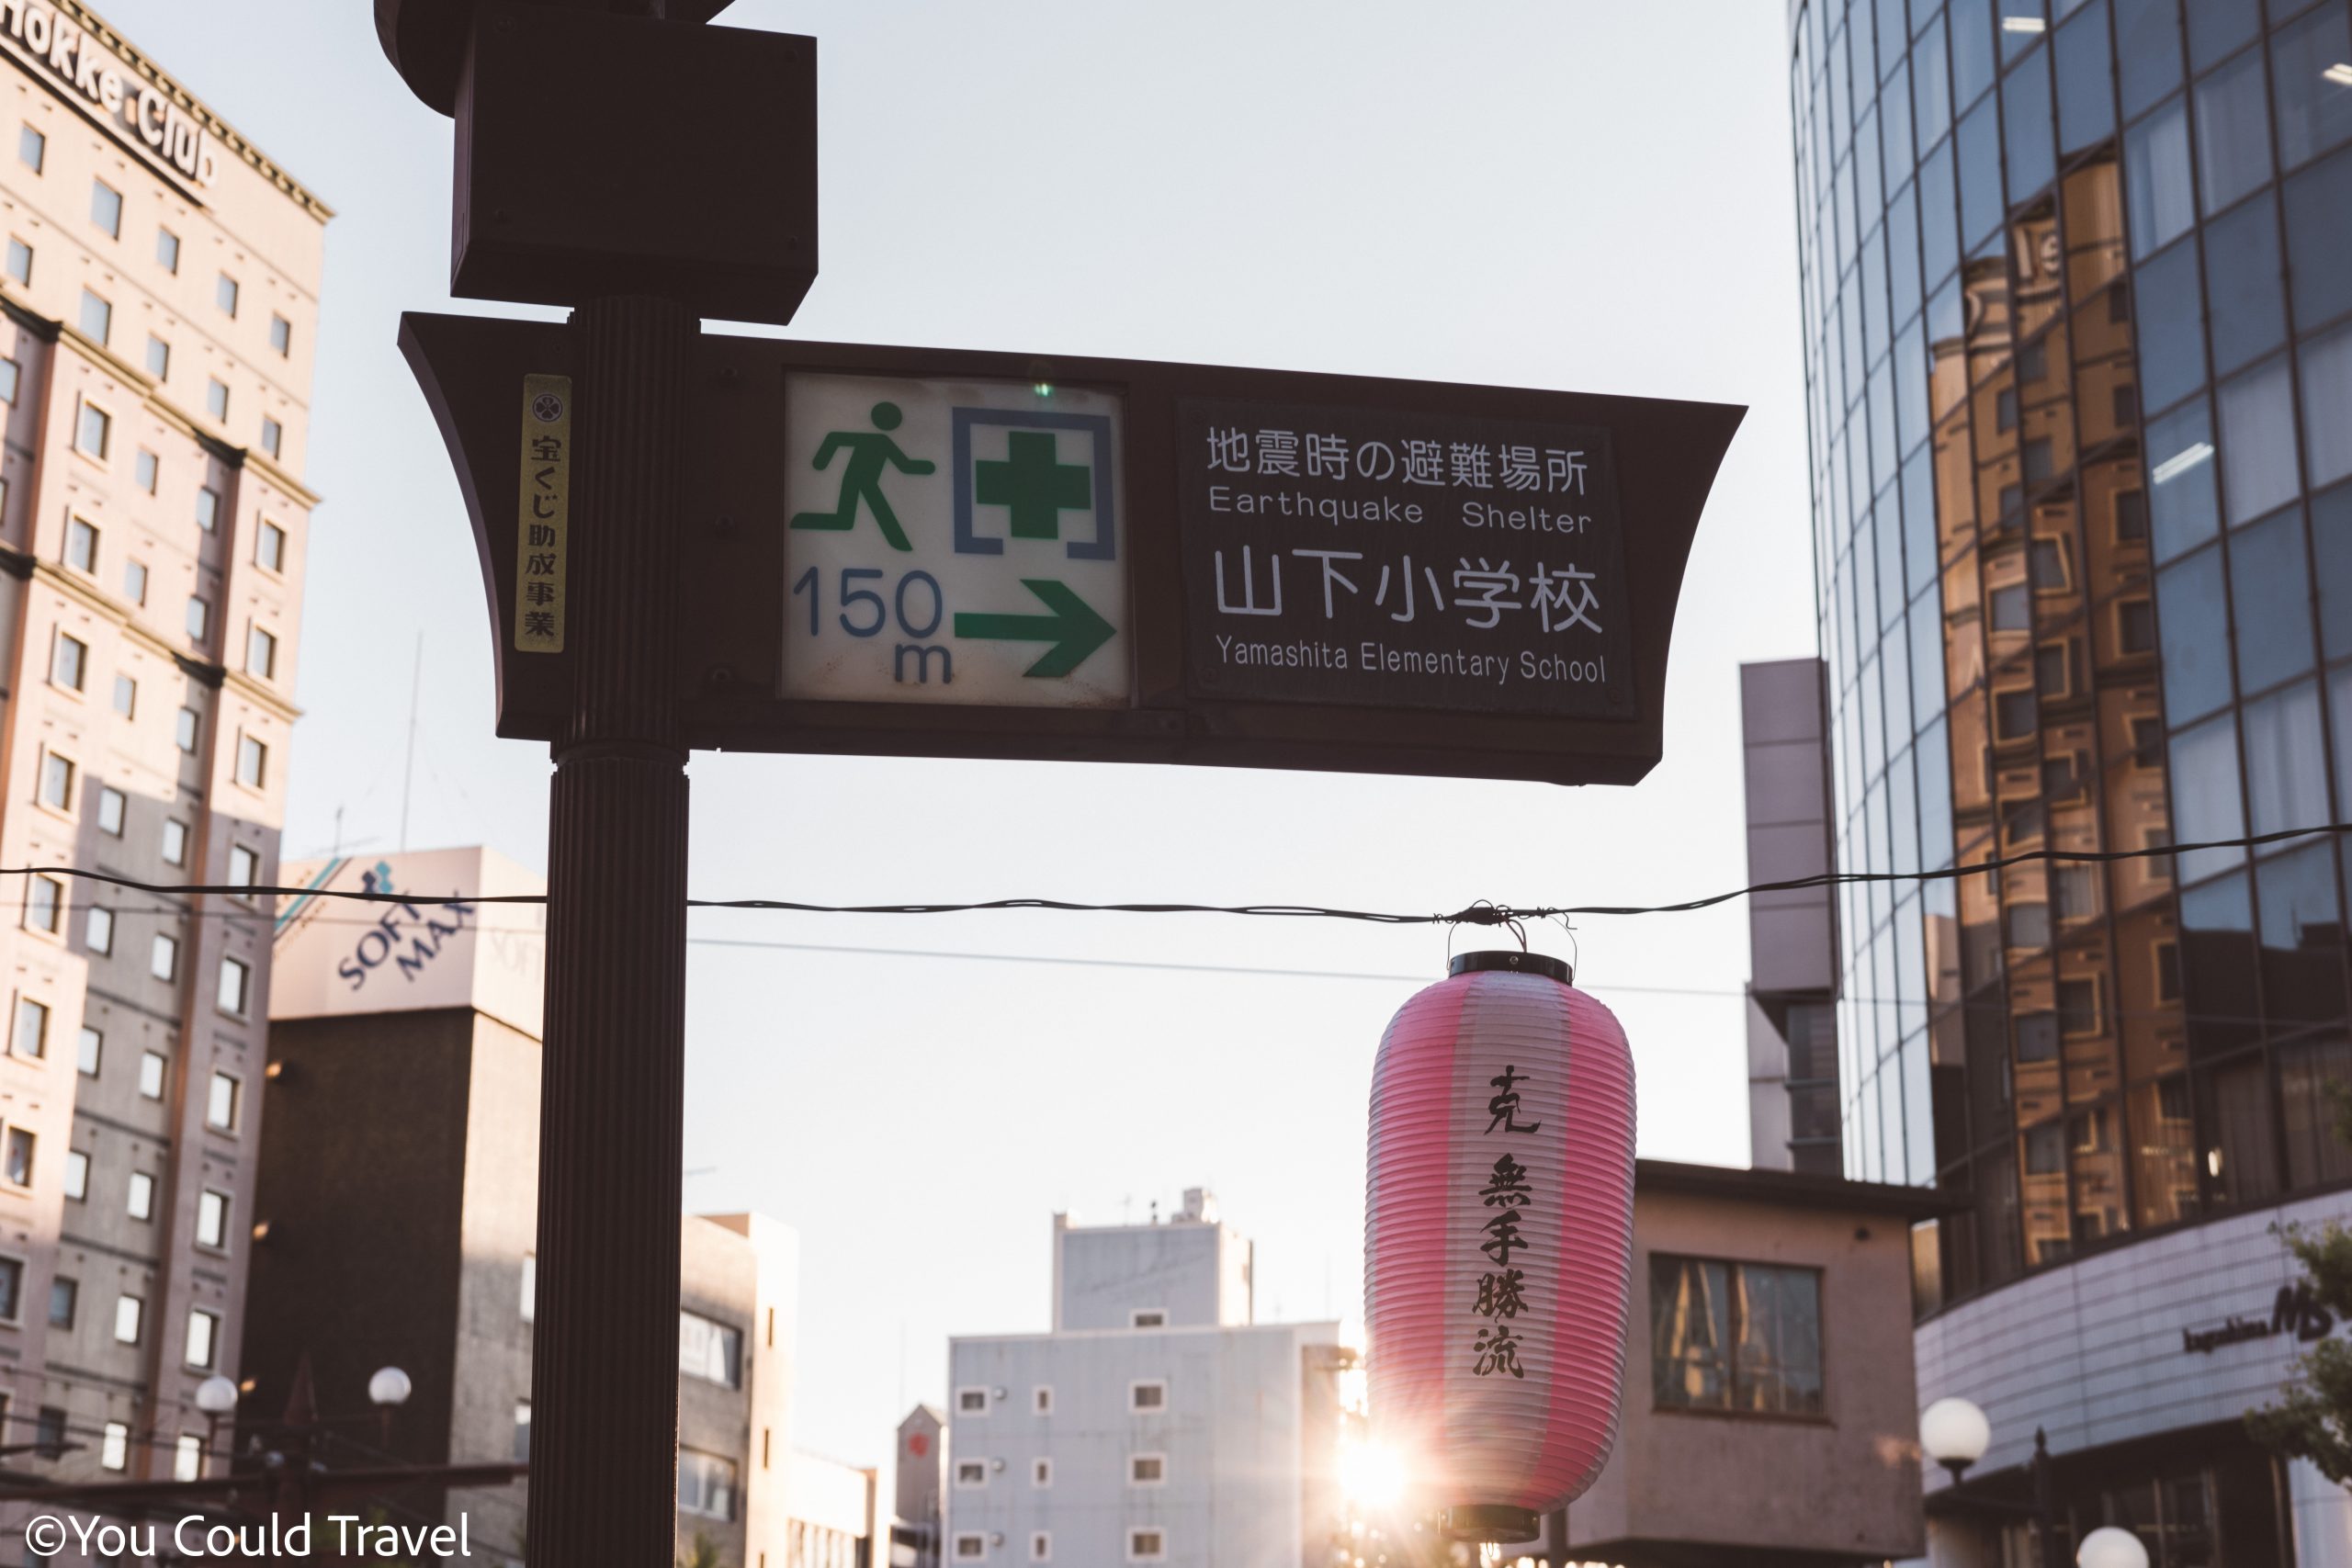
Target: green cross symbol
(1033, 486)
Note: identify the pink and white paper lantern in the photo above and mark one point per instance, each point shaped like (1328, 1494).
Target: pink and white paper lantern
(1499, 1223)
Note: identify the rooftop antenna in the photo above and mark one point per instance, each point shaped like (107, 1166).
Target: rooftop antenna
(408, 770)
(1154, 1211)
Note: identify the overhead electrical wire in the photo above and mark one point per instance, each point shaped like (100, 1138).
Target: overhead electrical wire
(1477, 914)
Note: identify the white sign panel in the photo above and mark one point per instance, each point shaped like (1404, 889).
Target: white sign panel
(954, 542)
(336, 956)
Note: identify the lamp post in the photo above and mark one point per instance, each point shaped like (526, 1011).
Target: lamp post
(1954, 1433)
(388, 1391)
(216, 1396)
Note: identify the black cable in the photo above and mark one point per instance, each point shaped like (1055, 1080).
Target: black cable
(1479, 914)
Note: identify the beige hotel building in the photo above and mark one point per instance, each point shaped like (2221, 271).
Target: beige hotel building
(158, 299)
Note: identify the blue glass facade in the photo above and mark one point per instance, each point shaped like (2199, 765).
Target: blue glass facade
(2078, 305)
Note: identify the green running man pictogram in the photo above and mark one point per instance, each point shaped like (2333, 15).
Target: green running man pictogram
(861, 476)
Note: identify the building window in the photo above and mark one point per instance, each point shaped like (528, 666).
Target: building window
(530, 1287)
(163, 956)
(97, 318)
(522, 1431)
(11, 375)
(244, 866)
(2078, 1008)
(207, 508)
(134, 581)
(69, 661)
(236, 985)
(970, 1546)
(64, 1302)
(151, 1074)
(711, 1351)
(88, 1048)
(20, 261)
(140, 1202)
(224, 294)
(168, 249)
(174, 842)
(125, 698)
(273, 436)
(32, 149)
(203, 1337)
(188, 1456)
(260, 653)
(159, 358)
(1147, 1317)
(57, 781)
(1040, 1546)
(1041, 1399)
(49, 1432)
(44, 904)
(216, 398)
(31, 1036)
(12, 1289)
(17, 1158)
(2135, 627)
(252, 762)
(100, 934)
(184, 729)
(221, 1107)
(112, 802)
(1041, 1472)
(1146, 1546)
(971, 1473)
(1146, 1470)
(282, 334)
(1739, 1337)
(199, 618)
(114, 1447)
(269, 547)
(971, 1402)
(82, 545)
(2131, 505)
(705, 1485)
(1152, 1395)
(94, 432)
(147, 470)
(77, 1175)
(212, 1218)
(105, 208)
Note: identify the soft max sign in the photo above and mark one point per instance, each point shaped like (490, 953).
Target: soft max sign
(87, 67)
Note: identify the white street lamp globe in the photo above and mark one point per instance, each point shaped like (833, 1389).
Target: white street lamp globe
(2108, 1547)
(388, 1386)
(1954, 1433)
(216, 1396)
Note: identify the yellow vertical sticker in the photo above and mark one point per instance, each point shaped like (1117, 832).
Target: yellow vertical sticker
(542, 524)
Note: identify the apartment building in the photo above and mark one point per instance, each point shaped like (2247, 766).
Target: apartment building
(159, 280)
(1157, 1422)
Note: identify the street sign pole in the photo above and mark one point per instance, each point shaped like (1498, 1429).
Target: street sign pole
(605, 1362)
(642, 222)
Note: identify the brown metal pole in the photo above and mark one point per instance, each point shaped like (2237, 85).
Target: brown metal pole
(604, 1360)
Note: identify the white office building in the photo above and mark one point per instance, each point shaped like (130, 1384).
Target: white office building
(1157, 1422)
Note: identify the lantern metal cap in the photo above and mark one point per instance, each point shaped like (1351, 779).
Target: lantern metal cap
(1518, 963)
(1493, 1521)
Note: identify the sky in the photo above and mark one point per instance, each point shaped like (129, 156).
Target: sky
(1566, 194)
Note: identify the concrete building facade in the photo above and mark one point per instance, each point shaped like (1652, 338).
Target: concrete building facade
(159, 293)
(399, 1189)
(1155, 1423)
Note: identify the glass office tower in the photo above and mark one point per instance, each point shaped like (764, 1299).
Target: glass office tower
(2078, 305)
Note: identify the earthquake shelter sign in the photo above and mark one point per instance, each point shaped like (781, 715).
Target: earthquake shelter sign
(1428, 559)
(887, 551)
(952, 542)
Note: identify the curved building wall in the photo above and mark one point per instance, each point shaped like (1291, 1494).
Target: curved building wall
(2079, 347)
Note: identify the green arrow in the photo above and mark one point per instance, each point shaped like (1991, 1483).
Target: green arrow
(1073, 628)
